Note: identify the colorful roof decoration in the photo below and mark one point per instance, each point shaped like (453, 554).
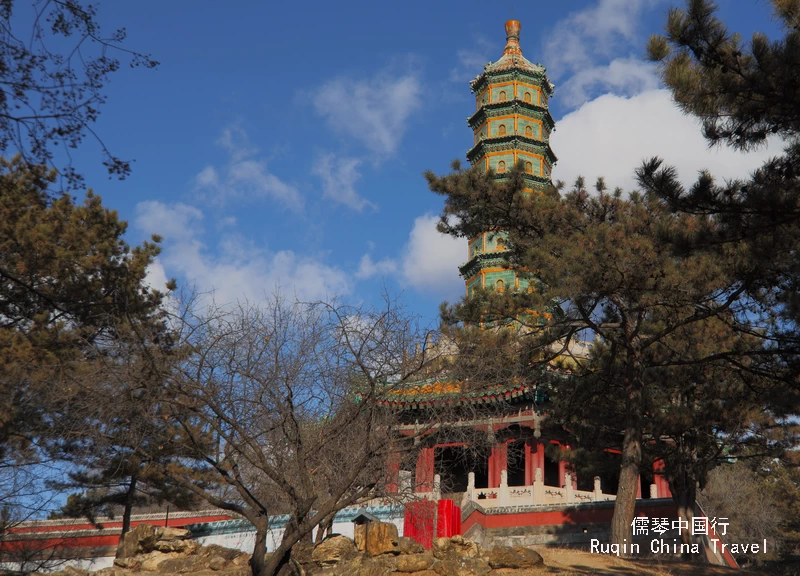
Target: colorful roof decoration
(436, 392)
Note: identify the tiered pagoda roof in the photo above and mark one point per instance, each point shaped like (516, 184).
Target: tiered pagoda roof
(512, 125)
(439, 391)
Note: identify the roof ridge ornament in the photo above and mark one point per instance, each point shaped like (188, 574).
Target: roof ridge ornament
(512, 37)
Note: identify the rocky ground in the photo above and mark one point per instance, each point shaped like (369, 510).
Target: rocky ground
(376, 551)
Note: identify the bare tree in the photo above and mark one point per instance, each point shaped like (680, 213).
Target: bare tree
(292, 394)
(50, 97)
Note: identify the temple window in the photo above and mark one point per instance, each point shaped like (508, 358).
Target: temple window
(528, 131)
(501, 130)
(501, 166)
(527, 97)
(502, 96)
(500, 286)
(529, 167)
(501, 244)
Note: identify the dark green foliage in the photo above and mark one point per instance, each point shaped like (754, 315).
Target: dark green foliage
(676, 364)
(743, 93)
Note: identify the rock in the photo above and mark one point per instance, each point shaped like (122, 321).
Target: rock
(140, 539)
(376, 565)
(216, 550)
(129, 563)
(151, 561)
(217, 563)
(172, 533)
(424, 573)
(360, 536)
(334, 550)
(182, 565)
(182, 546)
(414, 562)
(457, 546)
(112, 571)
(242, 559)
(302, 552)
(513, 557)
(381, 538)
(408, 545)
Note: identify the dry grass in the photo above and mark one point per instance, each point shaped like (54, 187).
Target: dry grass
(569, 562)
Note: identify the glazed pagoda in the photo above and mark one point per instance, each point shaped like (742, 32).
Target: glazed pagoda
(511, 125)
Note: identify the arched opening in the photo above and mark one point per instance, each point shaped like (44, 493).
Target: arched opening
(500, 286)
(501, 166)
(501, 130)
(529, 167)
(527, 97)
(528, 131)
(502, 96)
(500, 243)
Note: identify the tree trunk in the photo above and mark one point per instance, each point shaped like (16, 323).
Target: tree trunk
(258, 561)
(324, 529)
(128, 509)
(625, 504)
(277, 561)
(684, 494)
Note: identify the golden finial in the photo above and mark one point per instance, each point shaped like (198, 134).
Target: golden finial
(512, 37)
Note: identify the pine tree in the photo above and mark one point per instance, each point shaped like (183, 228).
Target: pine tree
(71, 290)
(617, 268)
(743, 93)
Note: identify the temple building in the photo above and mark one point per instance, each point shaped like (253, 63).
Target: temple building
(519, 464)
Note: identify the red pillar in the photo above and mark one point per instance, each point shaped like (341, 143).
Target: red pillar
(639, 486)
(393, 472)
(498, 461)
(530, 454)
(539, 459)
(424, 477)
(660, 480)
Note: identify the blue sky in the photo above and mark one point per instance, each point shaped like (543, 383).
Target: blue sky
(284, 143)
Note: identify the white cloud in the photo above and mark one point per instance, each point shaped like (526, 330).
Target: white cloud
(428, 262)
(339, 176)
(431, 260)
(244, 175)
(373, 111)
(599, 47)
(599, 30)
(155, 277)
(368, 268)
(623, 76)
(611, 135)
(175, 222)
(236, 268)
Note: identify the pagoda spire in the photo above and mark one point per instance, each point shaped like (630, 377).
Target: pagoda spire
(512, 37)
(512, 126)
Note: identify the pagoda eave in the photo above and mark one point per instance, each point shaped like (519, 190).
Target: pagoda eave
(488, 111)
(537, 74)
(513, 142)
